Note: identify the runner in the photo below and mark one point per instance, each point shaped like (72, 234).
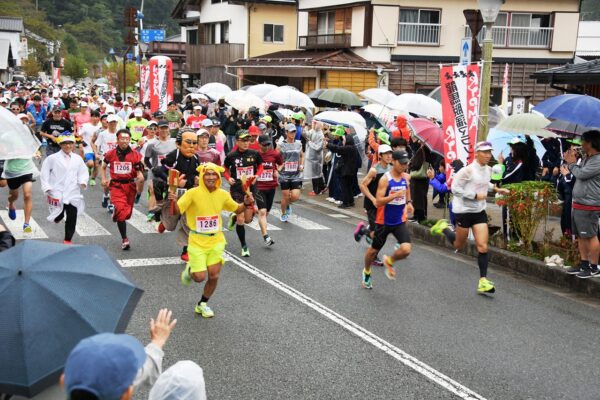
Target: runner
(393, 202)
(206, 154)
(470, 189)
(52, 128)
(290, 173)
(155, 153)
(87, 133)
(20, 173)
(63, 176)
(106, 140)
(267, 184)
(137, 125)
(202, 206)
(195, 120)
(240, 163)
(125, 168)
(173, 116)
(368, 186)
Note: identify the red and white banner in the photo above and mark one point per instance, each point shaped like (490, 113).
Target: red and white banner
(161, 82)
(56, 76)
(144, 83)
(460, 109)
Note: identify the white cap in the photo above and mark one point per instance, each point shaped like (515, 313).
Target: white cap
(109, 110)
(483, 146)
(202, 131)
(182, 381)
(101, 101)
(207, 123)
(197, 107)
(83, 104)
(112, 118)
(56, 93)
(138, 112)
(4, 99)
(384, 148)
(21, 116)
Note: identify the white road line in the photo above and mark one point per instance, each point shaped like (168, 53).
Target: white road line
(16, 227)
(301, 222)
(251, 225)
(338, 216)
(139, 221)
(148, 262)
(428, 372)
(87, 226)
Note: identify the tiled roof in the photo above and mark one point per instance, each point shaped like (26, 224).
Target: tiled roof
(334, 59)
(582, 73)
(11, 24)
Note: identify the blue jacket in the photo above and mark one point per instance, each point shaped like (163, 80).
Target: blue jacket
(439, 183)
(39, 117)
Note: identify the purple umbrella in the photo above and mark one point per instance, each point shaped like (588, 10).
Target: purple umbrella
(429, 133)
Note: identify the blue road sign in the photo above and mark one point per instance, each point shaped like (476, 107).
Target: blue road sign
(152, 35)
(465, 51)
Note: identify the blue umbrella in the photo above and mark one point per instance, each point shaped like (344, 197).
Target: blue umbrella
(499, 140)
(577, 108)
(51, 297)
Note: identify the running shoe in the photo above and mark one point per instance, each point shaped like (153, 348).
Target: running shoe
(438, 228)
(269, 241)
(284, 217)
(389, 268)
(359, 231)
(12, 213)
(186, 278)
(368, 239)
(289, 210)
(330, 199)
(366, 280)
(231, 222)
(377, 262)
(27, 228)
(312, 193)
(587, 272)
(150, 216)
(125, 244)
(105, 201)
(92, 182)
(574, 270)
(184, 256)
(245, 251)
(396, 246)
(138, 196)
(595, 271)
(485, 286)
(160, 228)
(67, 242)
(111, 208)
(204, 310)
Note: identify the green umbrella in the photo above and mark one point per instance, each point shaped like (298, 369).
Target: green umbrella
(336, 96)
(526, 124)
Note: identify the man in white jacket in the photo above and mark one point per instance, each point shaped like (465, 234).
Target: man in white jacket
(63, 176)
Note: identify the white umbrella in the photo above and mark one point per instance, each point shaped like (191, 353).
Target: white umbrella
(289, 97)
(16, 141)
(243, 100)
(261, 89)
(285, 112)
(417, 104)
(347, 118)
(214, 90)
(383, 112)
(527, 124)
(378, 95)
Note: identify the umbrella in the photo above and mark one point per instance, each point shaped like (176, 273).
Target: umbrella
(261, 89)
(335, 97)
(349, 119)
(429, 133)
(383, 112)
(289, 97)
(499, 140)
(16, 140)
(214, 90)
(243, 100)
(378, 95)
(526, 124)
(577, 108)
(566, 127)
(418, 104)
(283, 113)
(52, 296)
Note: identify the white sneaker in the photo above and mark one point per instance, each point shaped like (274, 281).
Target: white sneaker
(330, 199)
(338, 202)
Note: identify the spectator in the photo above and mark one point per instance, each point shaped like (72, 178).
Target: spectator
(313, 161)
(586, 202)
(419, 184)
(346, 164)
(182, 381)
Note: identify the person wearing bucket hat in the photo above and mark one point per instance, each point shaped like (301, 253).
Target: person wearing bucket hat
(63, 176)
(374, 139)
(470, 189)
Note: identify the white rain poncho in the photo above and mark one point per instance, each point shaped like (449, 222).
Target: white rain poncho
(182, 381)
(313, 161)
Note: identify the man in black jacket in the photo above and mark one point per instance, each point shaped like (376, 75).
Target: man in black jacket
(348, 166)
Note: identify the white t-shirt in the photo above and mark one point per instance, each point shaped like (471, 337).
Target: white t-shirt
(472, 179)
(87, 132)
(106, 141)
(145, 146)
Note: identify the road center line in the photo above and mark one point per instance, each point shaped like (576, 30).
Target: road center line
(428, 372)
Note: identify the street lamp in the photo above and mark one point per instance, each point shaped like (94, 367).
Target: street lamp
(489, 11)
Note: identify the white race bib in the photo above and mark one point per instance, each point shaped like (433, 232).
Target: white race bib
(247, 171)
(266, 176)
(208, 224)
(111, 145)
(399, 200)
(290, 166)
(122, 168)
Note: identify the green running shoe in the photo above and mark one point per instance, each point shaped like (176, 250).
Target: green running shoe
(231, 222)
(485, 286)
(438, 228)
(204, 310)
(245, 251)
(186, 278)
(366, 280)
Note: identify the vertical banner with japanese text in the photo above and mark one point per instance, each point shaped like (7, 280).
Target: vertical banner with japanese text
(161, 82)
(144, 83)
(56, 76)
(460, 110)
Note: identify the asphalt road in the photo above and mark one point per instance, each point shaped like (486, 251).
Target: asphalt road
(293, 322)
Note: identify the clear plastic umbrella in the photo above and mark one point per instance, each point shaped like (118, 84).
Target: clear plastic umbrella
(243, 100)
(261, 89)
(289, 97)
(527, 124)
(378, 95)
(215, 90)
(16, 140)
(418, 104)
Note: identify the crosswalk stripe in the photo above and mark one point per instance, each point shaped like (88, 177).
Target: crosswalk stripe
(139, 221)
(16, 227)
(300, 221)
(157, 261)
(252, 225)
(87, 226)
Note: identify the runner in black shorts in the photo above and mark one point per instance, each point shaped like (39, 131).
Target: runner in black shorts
(290, 172)
(267, 184)
(238, 163)
(19, 173)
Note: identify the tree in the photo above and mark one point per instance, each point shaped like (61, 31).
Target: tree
(31, 66)
(75, 67)
(114, 73)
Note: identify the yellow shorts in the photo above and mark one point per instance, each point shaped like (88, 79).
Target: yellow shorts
(201, 258)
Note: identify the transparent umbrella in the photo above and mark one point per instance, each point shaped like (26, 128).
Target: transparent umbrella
(16, 140)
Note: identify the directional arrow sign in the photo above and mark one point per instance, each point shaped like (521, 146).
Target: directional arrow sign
(465, 51)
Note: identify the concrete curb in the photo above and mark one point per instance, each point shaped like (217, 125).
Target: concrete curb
(502, 258)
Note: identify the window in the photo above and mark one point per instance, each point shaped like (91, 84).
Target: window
(224, 32)
(529, 30)
(216, 33)
(210, 32)
(419, 26)
(325, 23)
(272, 33)
(192, 36)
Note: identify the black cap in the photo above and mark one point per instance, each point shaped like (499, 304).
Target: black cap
(158, 114)
(162, 122)
(264, 140)
(401, 156)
